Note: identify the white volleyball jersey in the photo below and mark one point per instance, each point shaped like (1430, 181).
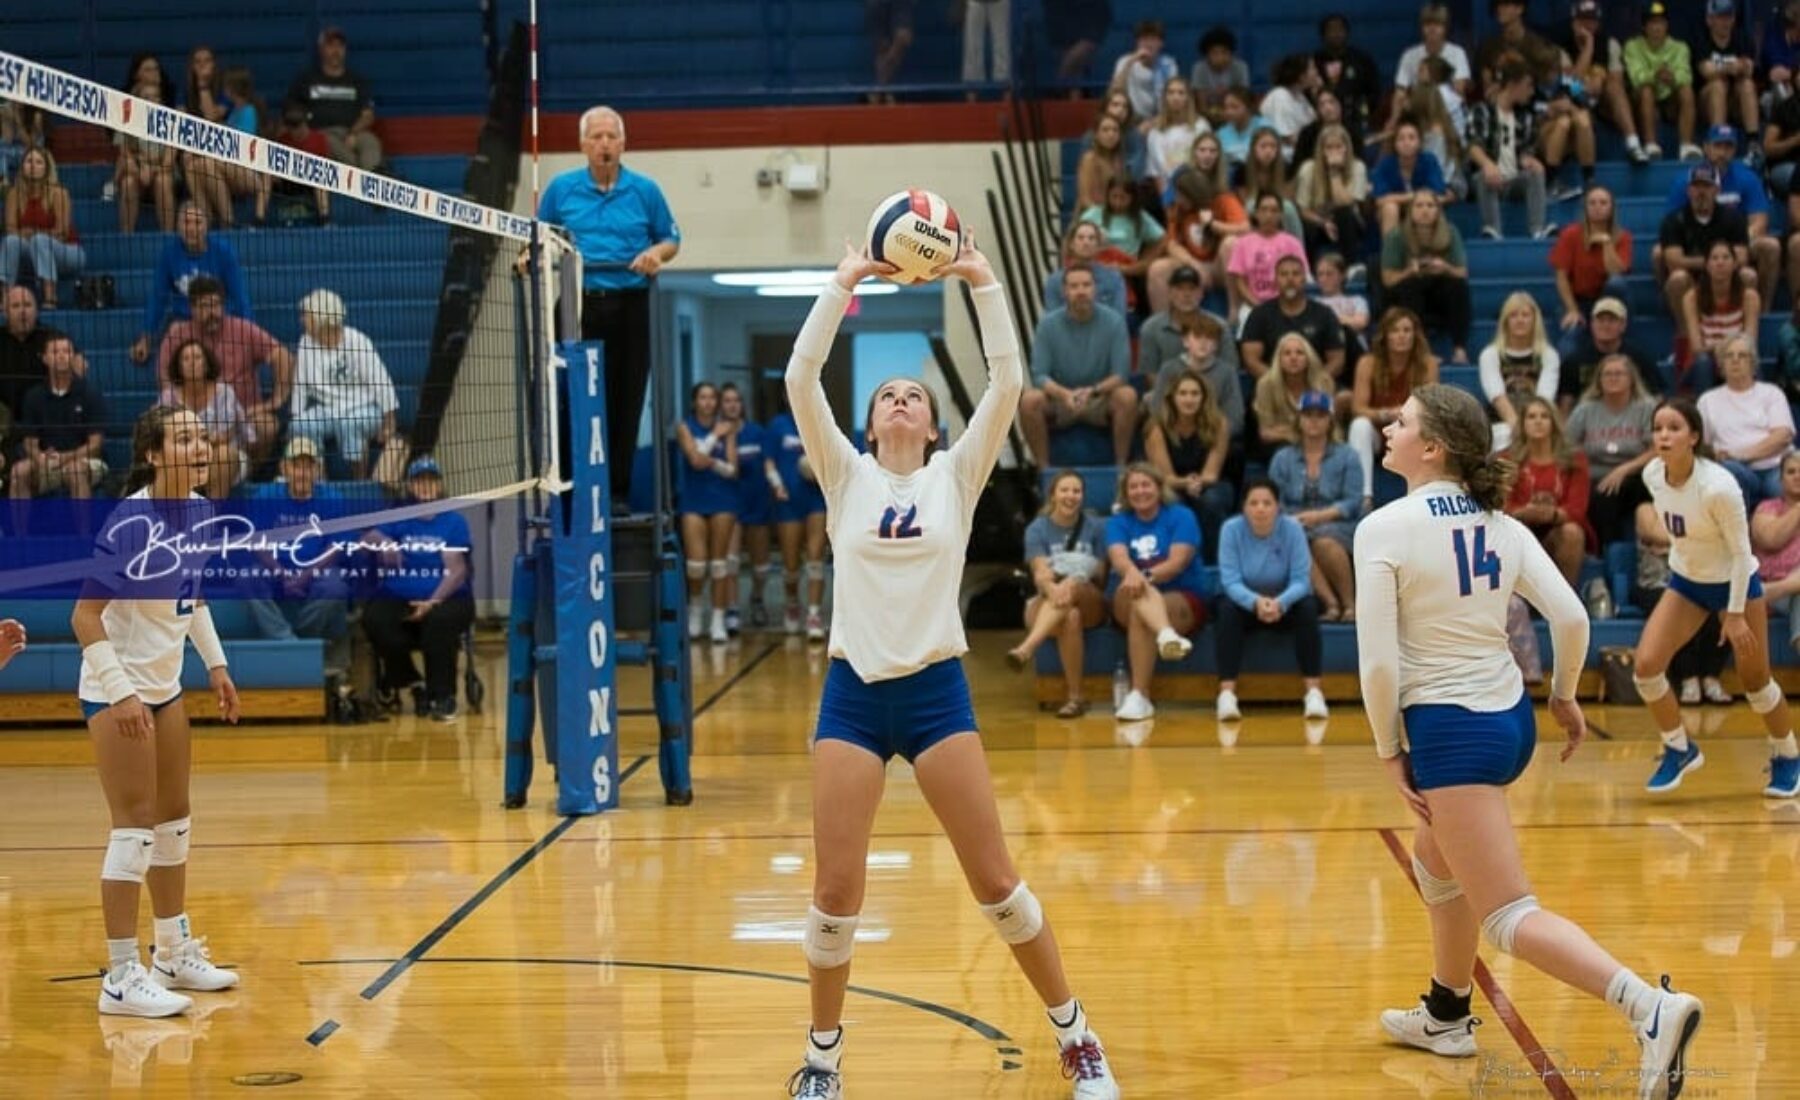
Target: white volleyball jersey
(898, 543)
(1710, 535)
(151, 598)
(1434, 576)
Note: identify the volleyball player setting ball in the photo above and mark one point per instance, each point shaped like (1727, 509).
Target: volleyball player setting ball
(131, 654)
(899, 520)
(1712, 568)
(1435, 571)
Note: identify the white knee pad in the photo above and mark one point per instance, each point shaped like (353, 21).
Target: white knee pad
(695, 569)
(720, 569)
(1766, 698)
(1502, 924)
(815, 570)
(1019, 918)
(829, 940)
(171, 848)
(127, 855)
(1435, 891)
(1651, 689)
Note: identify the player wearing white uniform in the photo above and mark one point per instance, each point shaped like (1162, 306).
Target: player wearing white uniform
(1435, 572)
(899, 518)
(1712, 569)
(132, 629)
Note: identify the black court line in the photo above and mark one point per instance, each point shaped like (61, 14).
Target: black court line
(736, 678)
(1541, 1063)
(322, 1032)
(1594, 728)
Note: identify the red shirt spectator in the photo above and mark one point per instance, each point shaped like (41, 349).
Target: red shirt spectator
(1585, 264)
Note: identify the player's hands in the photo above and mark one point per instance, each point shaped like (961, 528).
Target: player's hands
(1735, 632)
(1567, 713)
(226, 691)
(970, 265)
(857, 266)
(12, 640)
(131, 717)
(1399, 769)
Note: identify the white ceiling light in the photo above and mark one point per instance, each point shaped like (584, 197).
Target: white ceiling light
(811, 290)
(792, 277)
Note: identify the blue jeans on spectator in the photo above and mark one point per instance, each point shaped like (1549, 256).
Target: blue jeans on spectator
(1702, 375)
(1780, 176)
(1615, 287)
(1758, 485)
(352, 429)
(321, 614)
(50, 258)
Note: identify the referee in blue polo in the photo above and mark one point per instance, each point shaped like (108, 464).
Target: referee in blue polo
(623, 228)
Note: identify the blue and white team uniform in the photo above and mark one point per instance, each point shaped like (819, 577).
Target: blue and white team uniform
(782, 442)
(755, 499)
(896, 682)
(706, 492)
(1711, 562)
(1434, 575)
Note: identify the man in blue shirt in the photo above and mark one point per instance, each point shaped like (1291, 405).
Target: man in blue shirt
(1080, 370)
(190, 253)
(1741, 188)
(308, 595)
(622, 225)
(424, 601)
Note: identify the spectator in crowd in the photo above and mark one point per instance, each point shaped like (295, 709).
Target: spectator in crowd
(1160, 340)
(337, 102)
(1399, 361)
(1277, 402)
(1075, 28)
(1083, 243)
(1775, 529)
(1502, 133)
(1202, 338)
(1594, 58)
(1292, 311)
(144, 68)
(424, 601)
(1117, 104)
(240, 348)
(1330, 113)
(21, 128)
(1101, 162)
(1081, 370)
(1688, 234)
(248, 113)
(144, 167)
(1332, 191)
(1550, 491)
(1591, 260)
(1716, 309)
(1217, 70)
(40, 223)
(1434, 35)
(1264, 574)
(1439, 135)
(1144, 71)
(214, 183)
(309, 593)
(1611, 426)
(1255, 255)
(1130, 231)
(1424, 269)
(1205, 220)
(1566, 124)
(22, 343)
(1781, 148)
(1749, 424)
(184, 258)
(1065, 550)
(1322, 488)
(1605, 335)
(1153, 545)
(1780, 56)
(1346, 70)
(1287, 106)
(1741, 188)
(1518, 365)
(625, 232)
(987, 22)
(1404, 171)
(1170, 140)
(1240, 124)
(192, 382)
(1511, 36)
(1662, 82)
(59, 427)
(1265, 172)
(1725, 72)
(1351, 310)
(342, 389)
(297, 132)
(1702, 659)
(1187, 439)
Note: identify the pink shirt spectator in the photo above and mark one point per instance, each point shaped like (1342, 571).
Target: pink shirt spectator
(239, 347)
(1254, 257)
(1782, 563)
(1737, 420)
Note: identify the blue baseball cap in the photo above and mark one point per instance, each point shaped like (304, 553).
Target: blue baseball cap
(1704, 174)
(1721, 7)
(419, 467)
(1315, 401)
(1721, 134)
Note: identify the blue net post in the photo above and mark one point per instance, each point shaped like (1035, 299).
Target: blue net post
(521, 699)
(671, 674)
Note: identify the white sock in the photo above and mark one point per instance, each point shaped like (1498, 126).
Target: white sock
(718, 616)
(812, 609)
(1076, 1025)
(1631, 995)
(825, 1049)
(1676, 739)
(1632, 142)
(1784, 747)
(171, 932)
(120, 952)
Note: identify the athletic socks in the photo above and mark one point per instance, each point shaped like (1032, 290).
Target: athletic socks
(1676, 739)
(825, 1049)
(1632, 996)
(1784, 747)
(1069, 1021)
(171, 932)
(1447, 1004)
(121, 952)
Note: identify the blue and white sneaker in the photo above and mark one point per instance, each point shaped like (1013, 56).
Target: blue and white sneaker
(1675, 764)
(1784, 777)
(1663, 1041)
(810, 1082)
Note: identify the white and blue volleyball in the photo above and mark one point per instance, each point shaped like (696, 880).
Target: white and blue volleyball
(917, 232)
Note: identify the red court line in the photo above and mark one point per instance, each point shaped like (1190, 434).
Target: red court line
(1533, 1050)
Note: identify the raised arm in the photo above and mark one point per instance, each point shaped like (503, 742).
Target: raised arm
(826, 447)
(976, 452)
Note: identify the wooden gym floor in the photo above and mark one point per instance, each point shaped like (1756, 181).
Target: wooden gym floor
(1234, 913)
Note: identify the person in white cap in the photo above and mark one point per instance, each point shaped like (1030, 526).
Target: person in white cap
(342, 389)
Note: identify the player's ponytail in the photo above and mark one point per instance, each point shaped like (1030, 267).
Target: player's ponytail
(147, 439)
(1455, 421)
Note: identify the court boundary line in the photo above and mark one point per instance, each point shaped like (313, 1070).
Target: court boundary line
(736, 678)
(1552, 1079)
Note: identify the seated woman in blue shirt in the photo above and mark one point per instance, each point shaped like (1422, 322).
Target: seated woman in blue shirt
(423, 600)
(1153, 545)
(1321, 486)
(1265, 572)
(1065, 549)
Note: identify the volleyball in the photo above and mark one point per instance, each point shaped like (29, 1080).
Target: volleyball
(917, 232)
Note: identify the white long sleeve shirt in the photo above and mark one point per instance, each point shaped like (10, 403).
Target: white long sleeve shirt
(899, 541)
(1434, 576)
(150, 605)
(1710, 536)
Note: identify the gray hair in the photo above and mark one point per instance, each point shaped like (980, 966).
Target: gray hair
(325, 307)
(598, 112)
